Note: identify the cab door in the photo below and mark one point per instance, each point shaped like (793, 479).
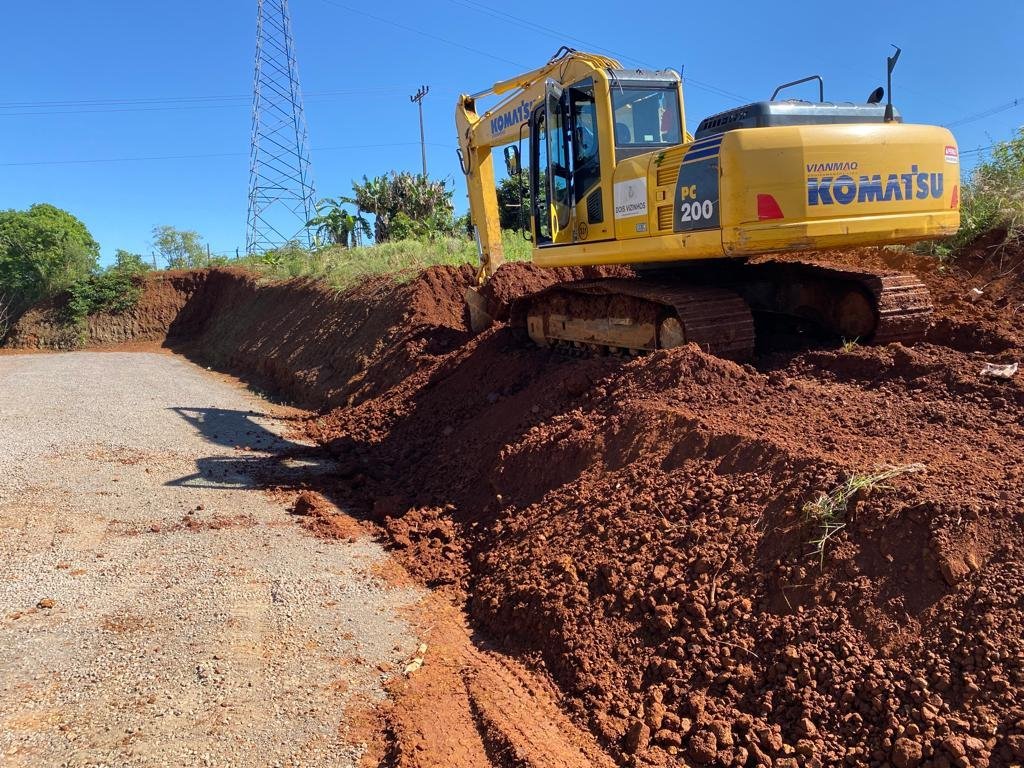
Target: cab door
(585, 147)
(551, 169)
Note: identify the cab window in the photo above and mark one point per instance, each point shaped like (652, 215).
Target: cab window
(540, 191)
(586, 163)
(645, 118)
(559, 167)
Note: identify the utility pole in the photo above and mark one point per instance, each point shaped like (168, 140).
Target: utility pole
(418, 99)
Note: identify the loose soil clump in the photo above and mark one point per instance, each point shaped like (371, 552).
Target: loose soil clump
(638, 530)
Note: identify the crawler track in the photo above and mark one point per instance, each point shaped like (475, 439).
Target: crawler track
(902, 304)
(640, 315)
(716, 305)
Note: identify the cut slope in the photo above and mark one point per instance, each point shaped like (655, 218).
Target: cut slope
(635, 529)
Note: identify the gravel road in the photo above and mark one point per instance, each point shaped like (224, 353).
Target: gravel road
(156, 607)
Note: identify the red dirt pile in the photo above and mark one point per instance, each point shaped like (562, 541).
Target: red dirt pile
(636, 529)
(323, 519)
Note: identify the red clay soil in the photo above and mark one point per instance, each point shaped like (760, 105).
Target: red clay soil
(473, 708)
(635, 529)
(165, 294)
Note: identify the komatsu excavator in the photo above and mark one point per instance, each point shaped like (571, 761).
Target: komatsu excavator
(616, 179)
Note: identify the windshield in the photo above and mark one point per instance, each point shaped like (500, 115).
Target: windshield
(646, 116)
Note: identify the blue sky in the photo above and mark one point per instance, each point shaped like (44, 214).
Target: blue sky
(181, 74)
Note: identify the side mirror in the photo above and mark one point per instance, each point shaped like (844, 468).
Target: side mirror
(512, 160)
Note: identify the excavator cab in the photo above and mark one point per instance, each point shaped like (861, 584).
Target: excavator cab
(579, 133)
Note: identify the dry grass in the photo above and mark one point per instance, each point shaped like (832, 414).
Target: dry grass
(345, 267)
(827, 513)
(5, 316)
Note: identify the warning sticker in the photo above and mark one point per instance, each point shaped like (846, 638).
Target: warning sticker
(631, 198)
(952, 155)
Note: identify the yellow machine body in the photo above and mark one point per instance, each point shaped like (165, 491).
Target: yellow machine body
(653, 195)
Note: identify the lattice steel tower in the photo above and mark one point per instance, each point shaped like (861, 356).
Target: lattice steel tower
(281, 195)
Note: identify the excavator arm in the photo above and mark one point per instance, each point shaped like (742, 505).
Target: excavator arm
(504, 123)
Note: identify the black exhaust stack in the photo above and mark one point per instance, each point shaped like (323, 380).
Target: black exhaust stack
(891, 62)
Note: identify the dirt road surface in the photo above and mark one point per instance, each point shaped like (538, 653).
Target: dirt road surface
(156, 608)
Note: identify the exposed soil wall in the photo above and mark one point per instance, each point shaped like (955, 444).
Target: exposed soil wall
(299, 339)
(165, 295)
(634, 528)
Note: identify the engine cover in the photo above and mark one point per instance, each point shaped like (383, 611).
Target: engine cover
(764, 114)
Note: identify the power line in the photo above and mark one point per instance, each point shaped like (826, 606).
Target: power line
(976, 150)
(986, 113)
(245, 97)
(422, 33)
(502, 15)
(148, 158)
(172, 107)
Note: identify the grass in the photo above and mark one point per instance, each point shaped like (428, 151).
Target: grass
(827, 513)
(849, 345)
(344, 267)
(991, 200)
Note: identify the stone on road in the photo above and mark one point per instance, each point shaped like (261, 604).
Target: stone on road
(156, 607)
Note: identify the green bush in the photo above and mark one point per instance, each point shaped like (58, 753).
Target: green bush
(992, 200)
(115, 290)
(42, 251)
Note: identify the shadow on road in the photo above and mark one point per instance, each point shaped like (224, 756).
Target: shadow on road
(232, 429)
(284, 464)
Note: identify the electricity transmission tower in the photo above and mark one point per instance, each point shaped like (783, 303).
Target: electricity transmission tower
(281, 195)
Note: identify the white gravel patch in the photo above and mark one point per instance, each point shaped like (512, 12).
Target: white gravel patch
(193, 622)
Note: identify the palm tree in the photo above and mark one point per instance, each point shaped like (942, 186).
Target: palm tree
(337, 226)
(375, 196)
(425, 202)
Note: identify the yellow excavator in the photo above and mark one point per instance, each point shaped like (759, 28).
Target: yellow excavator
(615, 178)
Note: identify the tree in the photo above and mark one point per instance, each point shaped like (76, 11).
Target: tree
(426, 204)
(42, 251)
(133, 263)
(181, 249)
(337, 226)
(514, 201)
